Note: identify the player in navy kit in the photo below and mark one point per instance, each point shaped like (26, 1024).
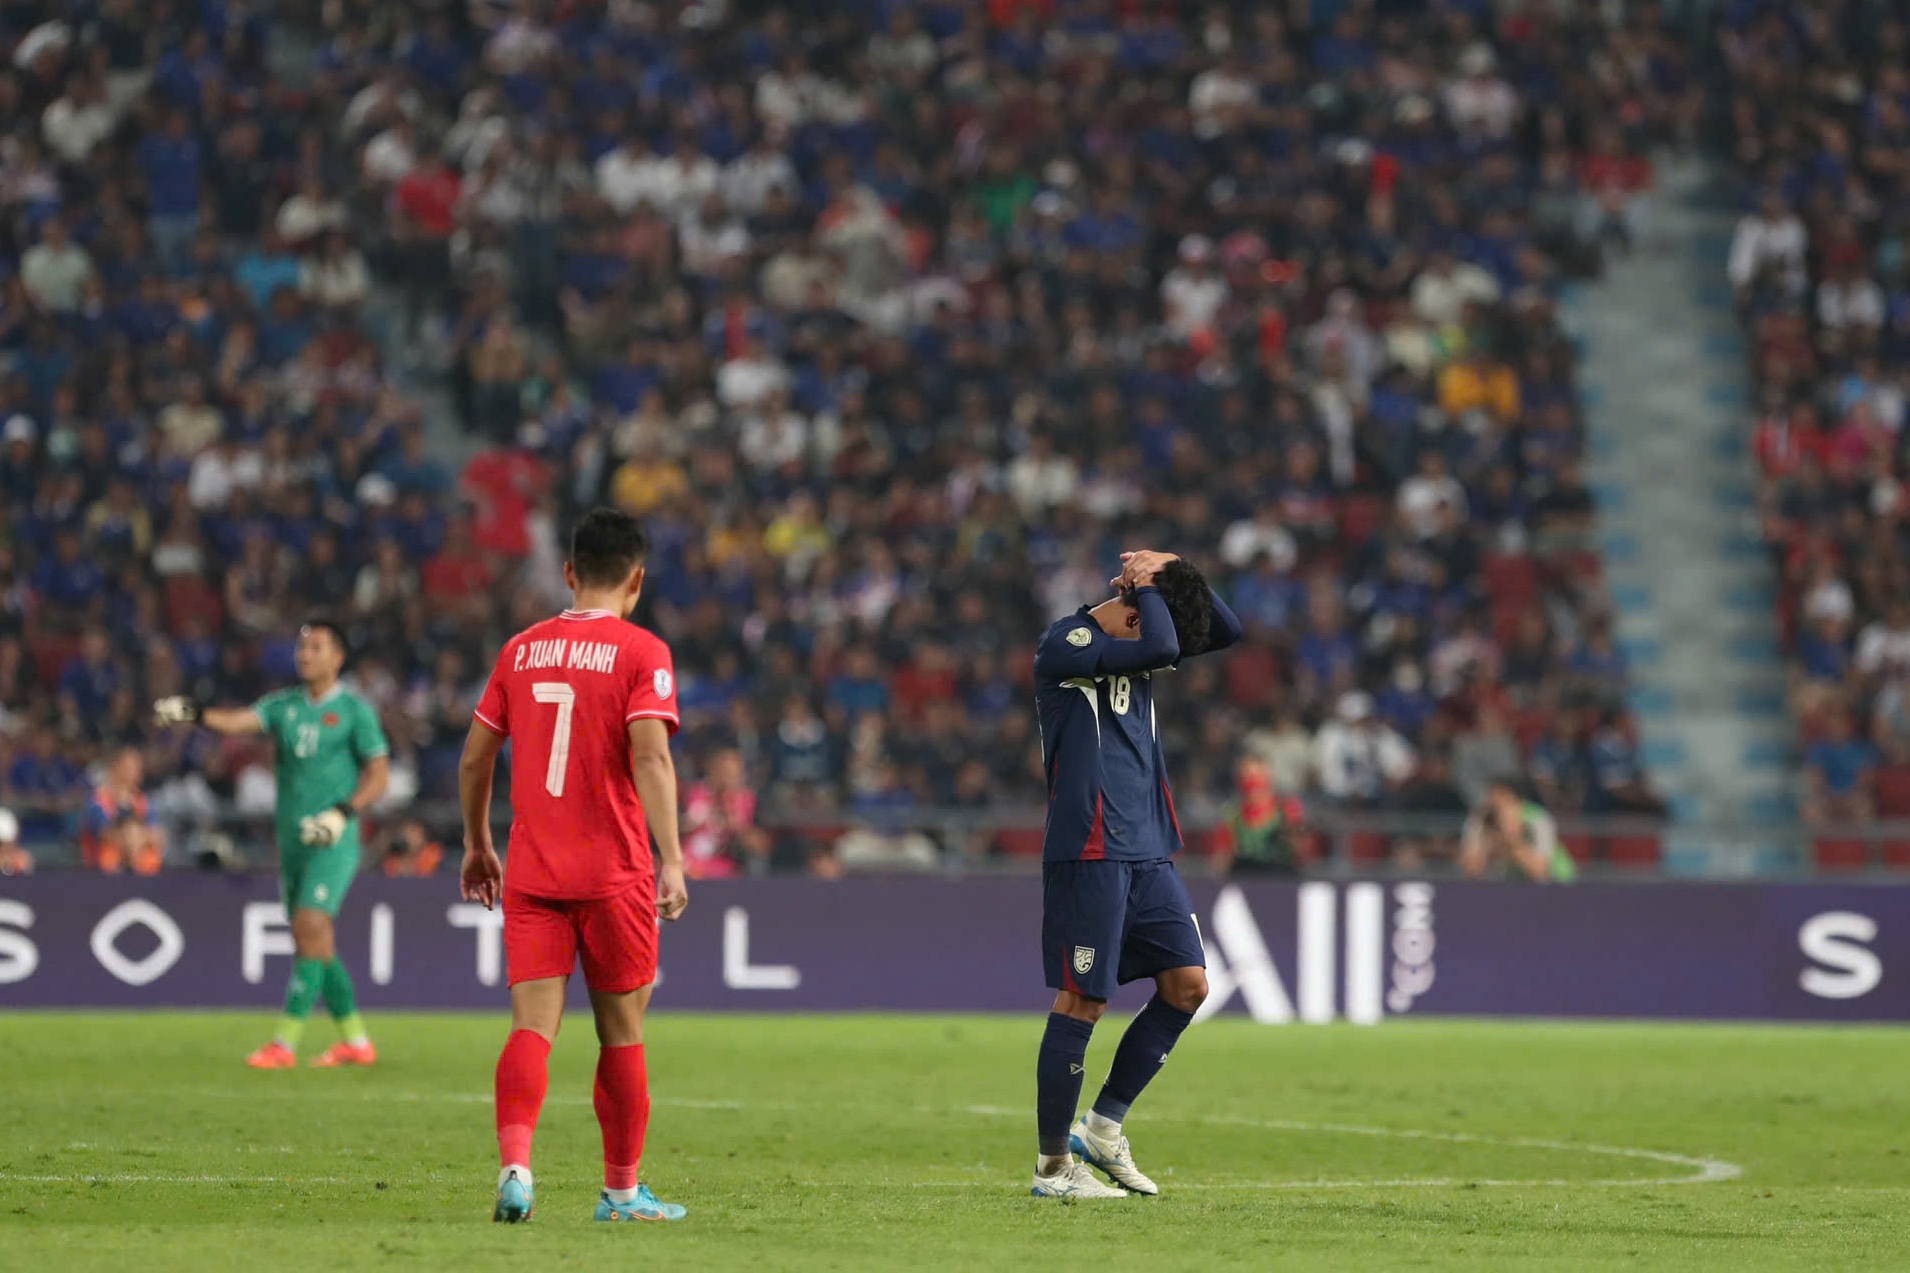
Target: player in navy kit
(1114, 907)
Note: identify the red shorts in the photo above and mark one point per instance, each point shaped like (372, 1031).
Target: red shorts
(616, 937)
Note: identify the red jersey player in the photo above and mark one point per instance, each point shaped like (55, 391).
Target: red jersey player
(589, 703)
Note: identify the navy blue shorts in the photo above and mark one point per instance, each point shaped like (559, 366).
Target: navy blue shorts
(1108, 923)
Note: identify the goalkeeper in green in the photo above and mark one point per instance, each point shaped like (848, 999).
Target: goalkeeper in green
(332, 763)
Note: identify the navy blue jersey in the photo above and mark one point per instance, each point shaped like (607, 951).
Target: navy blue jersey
(1108, 796)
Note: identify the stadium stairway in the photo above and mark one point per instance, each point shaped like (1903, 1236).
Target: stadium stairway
(292, 57)
(1666, 398)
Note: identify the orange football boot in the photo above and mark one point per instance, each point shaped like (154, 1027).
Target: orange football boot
(343, 1053)
(273, 1056)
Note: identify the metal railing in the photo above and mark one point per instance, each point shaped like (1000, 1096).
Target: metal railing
(1333, 841)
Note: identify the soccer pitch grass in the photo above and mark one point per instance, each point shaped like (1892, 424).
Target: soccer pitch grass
(139, 1140)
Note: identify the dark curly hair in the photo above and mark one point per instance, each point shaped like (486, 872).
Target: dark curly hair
(1184, 589)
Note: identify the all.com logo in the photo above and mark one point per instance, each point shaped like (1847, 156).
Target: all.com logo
(1377, 968)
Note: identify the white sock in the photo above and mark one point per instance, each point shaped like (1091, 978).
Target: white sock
(623, 1196)
(1052, 1164)
(521, 1172)
(1105, 1128)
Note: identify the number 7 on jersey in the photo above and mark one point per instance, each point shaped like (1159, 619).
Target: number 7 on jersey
(565, 697)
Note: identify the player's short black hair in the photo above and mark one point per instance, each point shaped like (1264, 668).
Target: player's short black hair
(606, 545)
(324, 623)
(1184, 589)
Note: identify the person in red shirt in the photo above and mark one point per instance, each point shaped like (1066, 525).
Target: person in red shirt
(720, 836)
(457, 578)
(504, 484)
(588, 701)
(423, 217)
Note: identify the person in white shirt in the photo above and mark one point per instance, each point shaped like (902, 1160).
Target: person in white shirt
(1445, 287)
(54, 270)
(221, 469)
(335, 276)
(748, 178)
(379, 99)
(629, 175)
(80, 120)
(744, 381)
(1040, 481)
(309, 213)
(1359, 757)
(904, 49)
(685, 177)
(1847, 299)
(1883, 647)
(1222, 97)
(391, 155)
(710, 237)
(1425, 495)
(788, 95)
(1193, 292)
(774, 434)
(1772, 238)
(1479, 103)
(1261, 535)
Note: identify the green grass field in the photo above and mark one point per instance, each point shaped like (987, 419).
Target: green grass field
(140, 1141)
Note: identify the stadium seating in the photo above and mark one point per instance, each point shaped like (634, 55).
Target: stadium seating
(1817, 267)
(894, 346)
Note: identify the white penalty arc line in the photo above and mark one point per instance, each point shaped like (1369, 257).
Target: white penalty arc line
(1701, 1170)
(1704, 1171)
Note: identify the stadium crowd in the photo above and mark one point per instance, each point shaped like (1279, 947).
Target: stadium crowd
(896, 324)
(1820, 263)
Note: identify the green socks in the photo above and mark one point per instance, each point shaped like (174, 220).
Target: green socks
(308, 978)
(341, 1000)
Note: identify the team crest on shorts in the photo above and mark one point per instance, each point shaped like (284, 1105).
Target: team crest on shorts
(1083, 959)
(1079, 637)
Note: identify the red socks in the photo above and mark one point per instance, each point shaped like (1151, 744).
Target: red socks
(623, 1111)
(523, 1076)
(622, 1100)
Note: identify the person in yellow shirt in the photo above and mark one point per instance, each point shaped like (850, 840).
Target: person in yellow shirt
(1476, 381)
(647, 481)
(798, 532)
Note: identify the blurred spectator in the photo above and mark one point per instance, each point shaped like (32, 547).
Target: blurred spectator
(1483, 754)
(117, 831)
(720, 835)
(866, 341)
(55, 270)
(1260, 832)
(1361, 760)
(1619, 781)
(1431, 793)
(1840, 770)
(410, 850)
(14, 860)
(1819, 268)
(1512, 837)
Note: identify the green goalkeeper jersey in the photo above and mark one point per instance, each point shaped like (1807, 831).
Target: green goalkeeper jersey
(319, 746)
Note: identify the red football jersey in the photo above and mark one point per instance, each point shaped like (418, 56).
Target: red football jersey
(564, 692)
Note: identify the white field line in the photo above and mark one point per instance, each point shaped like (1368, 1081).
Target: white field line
(1701, 1170)
(1705, 1170)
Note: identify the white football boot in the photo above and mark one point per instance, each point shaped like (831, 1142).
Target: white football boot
(1071, 1182)
(1112, 1157)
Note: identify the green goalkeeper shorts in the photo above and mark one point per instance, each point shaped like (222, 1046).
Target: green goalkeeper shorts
(314, 878)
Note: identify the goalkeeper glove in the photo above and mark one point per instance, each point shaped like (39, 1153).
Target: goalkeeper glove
(322, 829)
(179, 709)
